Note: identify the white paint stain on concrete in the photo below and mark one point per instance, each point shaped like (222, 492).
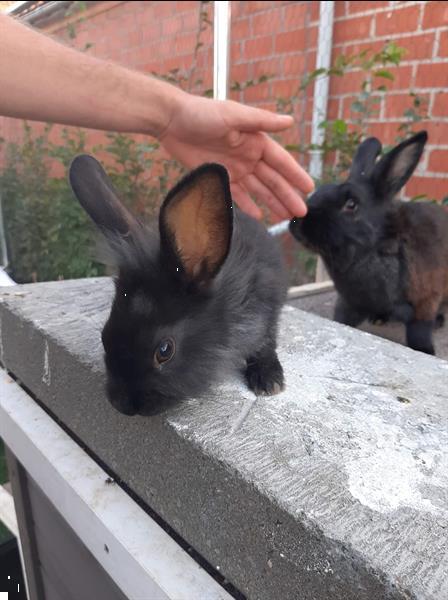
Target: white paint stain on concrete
(2, 350)
(46, 376)
(392, 470)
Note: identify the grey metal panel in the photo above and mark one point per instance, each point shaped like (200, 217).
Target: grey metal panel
(58, 565)
(68, 569)
(22, 505)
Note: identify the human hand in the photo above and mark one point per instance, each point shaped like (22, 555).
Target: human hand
(202, 130)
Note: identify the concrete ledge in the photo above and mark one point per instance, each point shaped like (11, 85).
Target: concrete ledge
(336, 488)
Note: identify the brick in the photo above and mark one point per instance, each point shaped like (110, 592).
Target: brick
(333, 108)
(207, 36)
(295, 16)
(432, 75)
(349, 83)
(290, 41)
(252, 6)
(352, 80)
(171, 25)
(134, 38)
(163, 9)
(190, 21)
(437, 132)
(357, 47)
(443, 47)
(364, 6)
(160, 49)
(153, 67)
(240, 29)
(385, 132)
(339, 9)
(397, 21)
(305, 108)
(236, 52)
(418, 46)
(150, 31)
(396, 105)
(284, 88)
(267, 22)
(438, 162)
(270, 67)
(431, 186)
(349, 114)
(258, 47)
(435, 15)
(357, 28)
(440, 108)
(402, 79)
(170, 63)
(294, 65)
(205, 58)
(239, 73)
(236, 96)
(257, 93)
(185, 5)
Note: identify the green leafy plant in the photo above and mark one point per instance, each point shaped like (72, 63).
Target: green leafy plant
(342, 137)
(48, 235)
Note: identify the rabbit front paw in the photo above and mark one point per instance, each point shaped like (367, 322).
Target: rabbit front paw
(265, 375)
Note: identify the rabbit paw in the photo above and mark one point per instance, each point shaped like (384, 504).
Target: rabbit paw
(265, 376)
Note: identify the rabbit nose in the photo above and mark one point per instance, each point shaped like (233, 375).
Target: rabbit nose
(127, 409)
(120, 399)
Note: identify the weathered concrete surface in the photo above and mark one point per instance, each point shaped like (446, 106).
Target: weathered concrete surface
(335, 489)
(322, 304)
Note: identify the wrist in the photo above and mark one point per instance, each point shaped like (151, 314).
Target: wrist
(162, 104)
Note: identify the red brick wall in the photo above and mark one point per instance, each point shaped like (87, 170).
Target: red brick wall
(279, 39)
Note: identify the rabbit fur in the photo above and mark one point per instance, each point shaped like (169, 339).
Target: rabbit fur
(388, 258)
(194, 299)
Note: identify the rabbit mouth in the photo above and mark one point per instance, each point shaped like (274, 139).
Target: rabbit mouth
(132, 402)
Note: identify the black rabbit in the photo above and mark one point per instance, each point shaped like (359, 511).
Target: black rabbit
(197, 298)
(388, 258)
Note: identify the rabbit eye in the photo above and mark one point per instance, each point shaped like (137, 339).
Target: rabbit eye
(350, 205)
(165, 351)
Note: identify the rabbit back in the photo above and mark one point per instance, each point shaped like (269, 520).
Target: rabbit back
(424, 235)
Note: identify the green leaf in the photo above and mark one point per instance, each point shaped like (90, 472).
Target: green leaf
(339, 126)
(384, 74)
(358, 106)
(71, 31)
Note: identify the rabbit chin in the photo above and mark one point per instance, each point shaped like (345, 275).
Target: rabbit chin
(298, 230)
(131, 403)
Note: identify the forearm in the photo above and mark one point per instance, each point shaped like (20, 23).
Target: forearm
(43, 80)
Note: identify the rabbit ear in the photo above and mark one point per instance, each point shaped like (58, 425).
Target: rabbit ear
(196, 223)
(95, 193)
(395, 168)
(365, 157)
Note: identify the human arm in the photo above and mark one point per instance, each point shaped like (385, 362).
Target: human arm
(43, 80)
